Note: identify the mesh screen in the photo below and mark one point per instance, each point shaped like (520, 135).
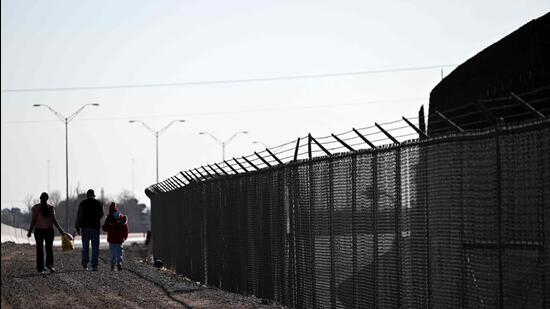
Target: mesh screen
(460, 221)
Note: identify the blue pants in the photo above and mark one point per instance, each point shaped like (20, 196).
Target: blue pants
(117, 253)
(87, 236)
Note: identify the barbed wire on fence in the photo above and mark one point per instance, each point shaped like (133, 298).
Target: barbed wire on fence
(484, 111)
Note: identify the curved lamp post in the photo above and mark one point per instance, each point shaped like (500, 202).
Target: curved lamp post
(260, 143)
(223, 143)
(66, 120)
(156, 134)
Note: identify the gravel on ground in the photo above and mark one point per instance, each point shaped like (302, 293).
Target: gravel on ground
(138, 285)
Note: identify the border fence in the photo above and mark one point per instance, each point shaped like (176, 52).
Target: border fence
(459, 220)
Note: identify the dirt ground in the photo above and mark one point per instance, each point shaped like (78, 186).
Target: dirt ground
(138, 285)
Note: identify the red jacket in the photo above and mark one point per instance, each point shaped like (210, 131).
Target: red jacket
(117, 229)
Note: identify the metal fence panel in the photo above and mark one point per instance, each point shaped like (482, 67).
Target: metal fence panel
(460, 221)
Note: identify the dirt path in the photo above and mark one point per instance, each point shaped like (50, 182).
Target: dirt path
(139, 285)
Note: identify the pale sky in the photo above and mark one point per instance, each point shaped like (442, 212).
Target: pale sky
(64, 44)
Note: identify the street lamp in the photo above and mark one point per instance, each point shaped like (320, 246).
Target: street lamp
(261, 143)
(66, 120)
(223, 143)
(156, 134)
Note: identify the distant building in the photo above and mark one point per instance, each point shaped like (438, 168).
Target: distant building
(518, 63)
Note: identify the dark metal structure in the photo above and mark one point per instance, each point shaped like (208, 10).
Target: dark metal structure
(455, 221)
(518, 63)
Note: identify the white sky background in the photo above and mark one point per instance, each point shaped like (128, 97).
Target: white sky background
(57, 44)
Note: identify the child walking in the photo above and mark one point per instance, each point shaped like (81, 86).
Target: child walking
(116, 226)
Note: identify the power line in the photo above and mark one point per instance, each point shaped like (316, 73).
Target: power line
(268, 109)
(230, 81)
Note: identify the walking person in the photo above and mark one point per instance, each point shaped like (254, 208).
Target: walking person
(116, 226)
(88, 222)
(42, 222)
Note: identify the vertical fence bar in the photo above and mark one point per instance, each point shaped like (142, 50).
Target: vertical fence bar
(398, 224)
(421, 119)
(204, 238)
(462, 232)
(309, 146)
(374, 219)
(296, 149)
(354, 229)
(331, 232)
(311, 227)
(499, 216)
(542, 224)
(425, 151)
(293, 184)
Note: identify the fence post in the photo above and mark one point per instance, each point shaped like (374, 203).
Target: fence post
(250, 163)
(374, 223)
(386, 133)
(309, 146)
(221, 169)
(354, 229)
(213, 170)
(497, 122)
(274, 156)
(420, 132)
(427, 228)
(398, 239)
(207, 172)
(343, 143)
(499, 205)
(296, 149)
(240, 165)
(321, 146)
(231, 167)
(200, 174)
(331, 232)
(311, 226)
(449, 122)
(535, 113)
(542, 224)
(371, 145)
(263, 160)
(193, 176)
(185, 176)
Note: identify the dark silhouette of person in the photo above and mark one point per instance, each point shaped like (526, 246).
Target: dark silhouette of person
(88, 222)
(43, 221)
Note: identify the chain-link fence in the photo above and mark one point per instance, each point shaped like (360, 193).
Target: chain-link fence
(456, 221)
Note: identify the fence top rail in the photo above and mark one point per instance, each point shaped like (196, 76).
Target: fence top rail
(395, 135)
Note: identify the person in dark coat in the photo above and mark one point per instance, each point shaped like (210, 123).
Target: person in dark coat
(88, 222)
(116, 226)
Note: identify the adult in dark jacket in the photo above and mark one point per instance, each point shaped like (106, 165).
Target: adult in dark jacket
(116, 226)
(88, 222)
